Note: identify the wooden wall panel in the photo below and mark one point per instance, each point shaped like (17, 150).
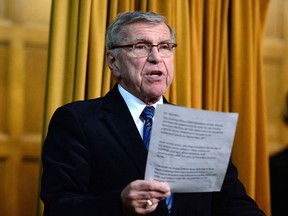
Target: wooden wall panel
(3, 89)
(3, 9)
(3, 183)
(24, 31)
(35, 12)
(35, 77)
(29, 186)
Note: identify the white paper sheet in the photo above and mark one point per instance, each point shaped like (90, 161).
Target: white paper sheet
(189, 148)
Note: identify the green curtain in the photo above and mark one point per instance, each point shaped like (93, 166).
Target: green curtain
(218, 66)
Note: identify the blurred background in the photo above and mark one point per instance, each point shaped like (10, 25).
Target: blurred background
(24, 34)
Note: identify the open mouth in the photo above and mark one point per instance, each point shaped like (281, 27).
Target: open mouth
(155, 74)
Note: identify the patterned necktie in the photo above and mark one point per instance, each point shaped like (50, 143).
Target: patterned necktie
(147, 115)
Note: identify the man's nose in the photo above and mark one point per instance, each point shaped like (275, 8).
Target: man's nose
(154, 54)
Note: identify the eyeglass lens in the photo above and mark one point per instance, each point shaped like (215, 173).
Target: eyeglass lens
(144, 49)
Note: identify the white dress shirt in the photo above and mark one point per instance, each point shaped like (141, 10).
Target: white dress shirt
(136, 107)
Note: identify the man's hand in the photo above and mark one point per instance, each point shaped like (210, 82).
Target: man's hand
(142, 196)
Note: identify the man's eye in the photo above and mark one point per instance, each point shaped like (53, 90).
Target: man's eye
(140, 46)
(164, 46)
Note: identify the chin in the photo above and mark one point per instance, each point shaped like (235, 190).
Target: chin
(154, 91)
(155, 96)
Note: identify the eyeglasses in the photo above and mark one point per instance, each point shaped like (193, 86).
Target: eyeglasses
(144, 49)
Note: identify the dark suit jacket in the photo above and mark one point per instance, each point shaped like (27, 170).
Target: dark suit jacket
(279, 183)
(93, 150)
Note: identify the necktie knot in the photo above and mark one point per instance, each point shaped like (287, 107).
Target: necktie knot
(148, 113)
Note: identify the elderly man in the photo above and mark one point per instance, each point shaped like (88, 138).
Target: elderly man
(94, 155)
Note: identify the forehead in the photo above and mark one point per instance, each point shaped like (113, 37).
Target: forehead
(147, 31)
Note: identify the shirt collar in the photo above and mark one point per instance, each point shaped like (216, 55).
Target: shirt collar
(134, 104)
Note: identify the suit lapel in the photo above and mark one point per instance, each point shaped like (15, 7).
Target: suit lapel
(120, 120)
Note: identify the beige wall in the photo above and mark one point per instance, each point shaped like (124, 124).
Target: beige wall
(23, 60)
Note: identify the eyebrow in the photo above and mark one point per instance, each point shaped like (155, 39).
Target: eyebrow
(142, 40)
(150, 42)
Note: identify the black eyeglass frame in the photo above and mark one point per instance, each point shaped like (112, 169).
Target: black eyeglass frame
(174, 45)
(150, 46)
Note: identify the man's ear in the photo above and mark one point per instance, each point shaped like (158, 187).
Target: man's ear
(113, 64)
